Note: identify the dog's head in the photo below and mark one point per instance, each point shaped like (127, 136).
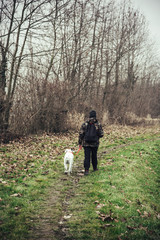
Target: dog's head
(69, 150)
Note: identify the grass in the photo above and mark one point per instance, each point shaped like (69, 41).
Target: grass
(28, 169)
(121, 201)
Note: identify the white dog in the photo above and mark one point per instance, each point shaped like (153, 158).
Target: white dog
(68, 161)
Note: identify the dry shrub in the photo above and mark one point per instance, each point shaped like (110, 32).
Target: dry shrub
(75, 120)
(39, 106)
(105, 118)
(132, 119)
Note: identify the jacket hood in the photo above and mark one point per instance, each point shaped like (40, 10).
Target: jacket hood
(92, 114)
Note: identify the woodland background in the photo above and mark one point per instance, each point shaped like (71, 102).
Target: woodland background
(61, 58)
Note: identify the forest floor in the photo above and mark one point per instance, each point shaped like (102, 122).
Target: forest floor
(120, 201)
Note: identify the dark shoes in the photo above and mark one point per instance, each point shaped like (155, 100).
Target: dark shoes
(95, 169)
(86, 172)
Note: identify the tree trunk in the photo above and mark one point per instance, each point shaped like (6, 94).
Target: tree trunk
(3, 66)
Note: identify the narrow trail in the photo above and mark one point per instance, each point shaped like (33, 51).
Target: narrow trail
(50, 221)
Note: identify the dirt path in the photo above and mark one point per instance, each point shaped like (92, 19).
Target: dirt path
(50, 221)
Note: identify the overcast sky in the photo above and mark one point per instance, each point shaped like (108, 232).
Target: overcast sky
(151, 10)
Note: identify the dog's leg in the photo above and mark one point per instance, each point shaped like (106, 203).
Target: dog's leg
(65, 166)
(70, 166)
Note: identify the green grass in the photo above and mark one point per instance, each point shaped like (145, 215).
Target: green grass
(121, 201)
(28, 169)
(126, 189)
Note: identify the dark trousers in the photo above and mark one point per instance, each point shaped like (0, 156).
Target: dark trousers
(90, 153)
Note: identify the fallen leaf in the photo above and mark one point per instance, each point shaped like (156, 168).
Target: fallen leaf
(100, 205)
(16, 195)
(80, 174)
(104, 218)
(143, 228)
(139, 211)
(128, 201)
(131, 228)
(107, 225)
(118, 207)
(145, 214)
(98, 212)
(158, 215)
(123, 219)
(17, 208)
(64, 229)
(3, 182)
(68, 216)
(45, 173)
(116, 220)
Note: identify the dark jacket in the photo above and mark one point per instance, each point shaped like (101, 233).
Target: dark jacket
(83, 130)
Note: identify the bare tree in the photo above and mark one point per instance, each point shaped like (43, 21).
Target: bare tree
(3, 66)
(19, 19)
(70, 55)
(127, 37)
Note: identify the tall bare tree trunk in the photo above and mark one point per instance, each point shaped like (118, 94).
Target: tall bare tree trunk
(3, 66)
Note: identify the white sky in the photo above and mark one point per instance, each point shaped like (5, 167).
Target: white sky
(151, 10)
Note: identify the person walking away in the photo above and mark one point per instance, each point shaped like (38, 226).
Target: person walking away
(89, 135)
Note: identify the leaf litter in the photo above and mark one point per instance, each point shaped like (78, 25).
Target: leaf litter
(21, 159)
